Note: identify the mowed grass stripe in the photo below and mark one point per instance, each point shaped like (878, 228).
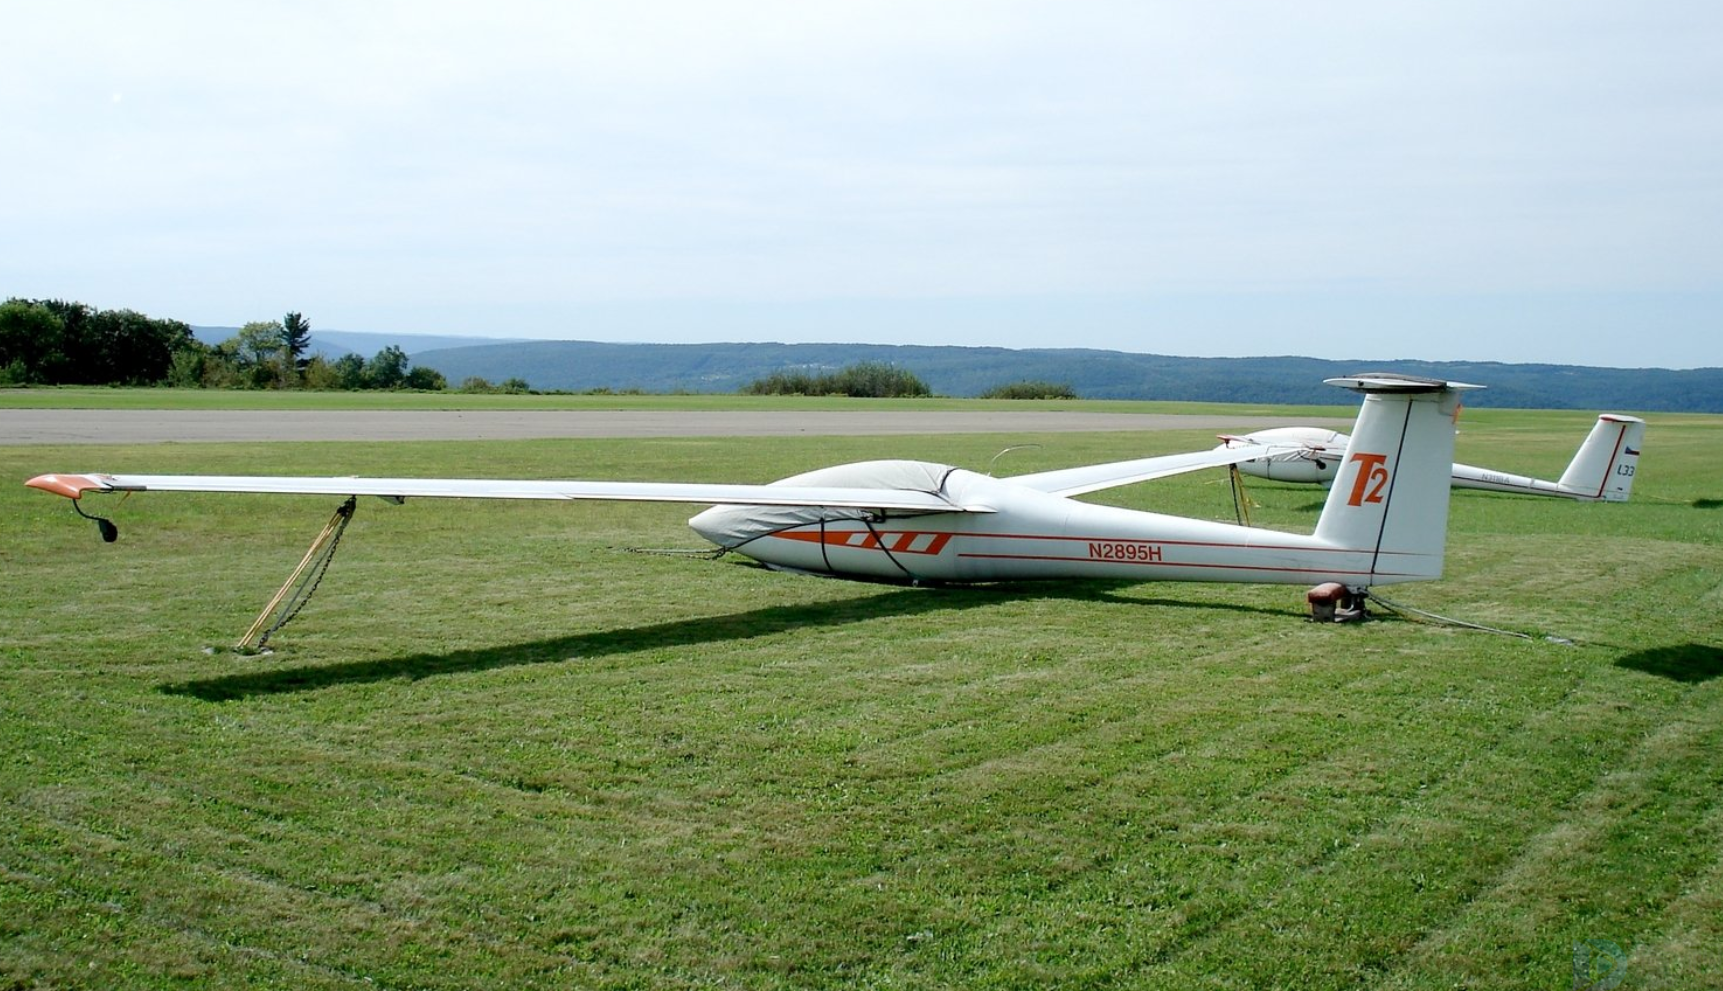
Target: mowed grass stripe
(1475, 815)
(1239, 832)
(1584, 874)
(1693, 921)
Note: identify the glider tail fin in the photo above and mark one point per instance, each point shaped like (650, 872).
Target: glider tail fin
(1390, 496)
(1604, 466)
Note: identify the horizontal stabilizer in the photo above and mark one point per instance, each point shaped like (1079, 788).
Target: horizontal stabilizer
(1368, 382)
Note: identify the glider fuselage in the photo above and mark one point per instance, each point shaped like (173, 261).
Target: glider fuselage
(1028, 535)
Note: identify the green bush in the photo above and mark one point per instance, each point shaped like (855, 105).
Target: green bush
(1031, 390)
(867, 380)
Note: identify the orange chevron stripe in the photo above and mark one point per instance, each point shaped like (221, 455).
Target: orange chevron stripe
(928, 542)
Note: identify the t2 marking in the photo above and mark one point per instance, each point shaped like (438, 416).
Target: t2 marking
(1371, 479)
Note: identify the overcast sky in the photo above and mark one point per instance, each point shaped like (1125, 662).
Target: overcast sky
(1491, 180)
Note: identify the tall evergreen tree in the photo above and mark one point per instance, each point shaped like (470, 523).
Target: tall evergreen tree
(296, 338)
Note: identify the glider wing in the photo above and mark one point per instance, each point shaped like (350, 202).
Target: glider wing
(909, 500)
(1093, 478)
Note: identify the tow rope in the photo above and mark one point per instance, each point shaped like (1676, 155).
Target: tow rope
(703, 553)
(1420, 614)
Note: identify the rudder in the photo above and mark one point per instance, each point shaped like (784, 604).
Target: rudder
(1390, 497)
(1605, 464)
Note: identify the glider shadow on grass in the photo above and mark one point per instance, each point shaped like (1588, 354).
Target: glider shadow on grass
(744, 625)
(1689, 663)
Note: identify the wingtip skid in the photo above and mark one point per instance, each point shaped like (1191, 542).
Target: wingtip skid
(70, 486)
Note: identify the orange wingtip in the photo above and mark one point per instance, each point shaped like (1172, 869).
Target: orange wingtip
(70, 486)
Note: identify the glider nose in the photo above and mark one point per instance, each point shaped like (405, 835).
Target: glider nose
(716, 524)
(732, 526)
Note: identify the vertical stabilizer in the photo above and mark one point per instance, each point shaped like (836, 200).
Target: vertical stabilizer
(1604, 467)
(1391, 494)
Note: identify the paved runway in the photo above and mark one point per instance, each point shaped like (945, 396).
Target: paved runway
(97, 426)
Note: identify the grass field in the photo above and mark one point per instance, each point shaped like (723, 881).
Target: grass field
(499, 750)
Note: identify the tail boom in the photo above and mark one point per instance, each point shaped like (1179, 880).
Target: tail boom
(1602, 470)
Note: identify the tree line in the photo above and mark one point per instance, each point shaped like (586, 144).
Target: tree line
(54, 342)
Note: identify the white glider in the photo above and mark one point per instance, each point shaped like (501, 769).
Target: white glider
(1385, 520)
(1601, 471)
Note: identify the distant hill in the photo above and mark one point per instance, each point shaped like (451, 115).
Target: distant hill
(579, 366)
(335, 343)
